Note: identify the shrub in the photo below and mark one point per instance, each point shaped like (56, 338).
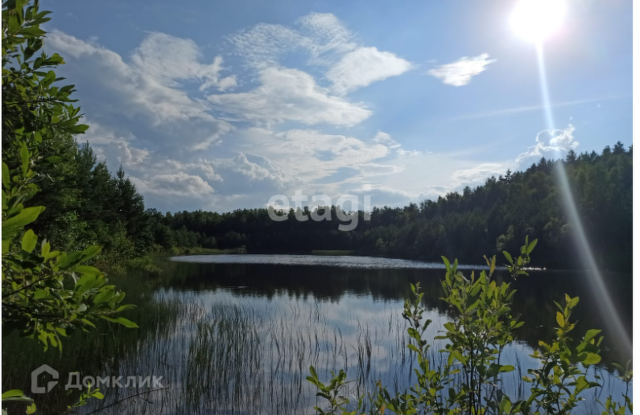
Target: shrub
(469, 380)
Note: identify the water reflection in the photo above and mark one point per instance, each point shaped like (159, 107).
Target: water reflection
(381, 279)
(239, 338)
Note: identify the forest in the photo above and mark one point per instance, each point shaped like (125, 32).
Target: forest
(86, 204)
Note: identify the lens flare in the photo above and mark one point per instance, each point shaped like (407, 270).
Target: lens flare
(594, 276)
(537, 20)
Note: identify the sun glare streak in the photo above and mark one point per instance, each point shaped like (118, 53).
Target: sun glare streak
(594, 276)
(544, 89)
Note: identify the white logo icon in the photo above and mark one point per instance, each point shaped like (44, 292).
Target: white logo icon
(34, 379)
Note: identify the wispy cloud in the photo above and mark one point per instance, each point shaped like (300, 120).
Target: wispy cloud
(460, 72)
(290, 94)
(324, 41)
(478, 174)
(171, 59)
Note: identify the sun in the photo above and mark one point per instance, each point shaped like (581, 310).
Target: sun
(537, 20)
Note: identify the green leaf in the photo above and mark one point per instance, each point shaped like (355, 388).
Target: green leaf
(591, 359)
(574, 302)
(54, 159)
(131, 306)
(29, 241)
(531, 246)
(473, 306)
(413, 347)
(85, 269)
(46, 248)
(508, 256)
(40, 294)
(446, 263)
(581, 384)
(12, 393)
(505, 405)
(458, 356)
(24, 157)
(87, 322)
(590, 335)
(25, 217)
(560, 319)
(5, 176)
(91, 251)
(127, 323)
(69, 260)
(103, 296)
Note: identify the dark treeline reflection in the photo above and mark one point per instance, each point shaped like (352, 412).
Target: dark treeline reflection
(533, 299)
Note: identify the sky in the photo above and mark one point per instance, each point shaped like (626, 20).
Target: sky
(220, 105)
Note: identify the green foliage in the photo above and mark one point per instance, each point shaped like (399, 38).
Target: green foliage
(469, 379)
(563, 365)
(16, 395)
(46, 293)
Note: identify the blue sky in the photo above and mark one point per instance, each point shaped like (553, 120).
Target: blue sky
(219, 105)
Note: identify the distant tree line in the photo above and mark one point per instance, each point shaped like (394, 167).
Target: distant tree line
(88, 205)
(498, 214)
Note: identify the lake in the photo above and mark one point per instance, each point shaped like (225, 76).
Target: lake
(236, 334)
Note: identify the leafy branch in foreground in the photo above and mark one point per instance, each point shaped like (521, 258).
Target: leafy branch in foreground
(469, 381)
(46, 294)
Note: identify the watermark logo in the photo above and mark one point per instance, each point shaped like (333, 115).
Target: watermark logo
(346, 208)
(34, 379)
(75, 382)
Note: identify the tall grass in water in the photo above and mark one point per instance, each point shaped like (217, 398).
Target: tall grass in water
(231, 358)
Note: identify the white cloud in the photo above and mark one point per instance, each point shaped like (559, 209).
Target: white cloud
(372, 169)
(290, 94)
(206, 167)
(252, 166)
(174, 184)
(310, 155)
(460, 72)
(324, 41)
(478, 174)
(320, 36)
(264, 44)
(364, 66)
(554, 143)
(130, 92)
(341, 151)
(383, 138)
(408, 153)
(110, 145)
(151, 172)
(168, 59)
(383, 195)
(328, 35)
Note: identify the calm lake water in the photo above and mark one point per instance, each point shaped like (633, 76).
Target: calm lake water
(236, 334)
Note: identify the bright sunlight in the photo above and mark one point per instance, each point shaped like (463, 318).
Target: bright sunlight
(536, 20)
